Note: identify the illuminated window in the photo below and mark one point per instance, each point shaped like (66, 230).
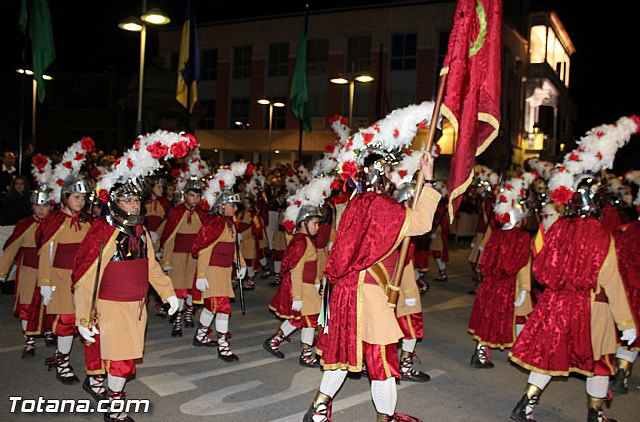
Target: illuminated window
(545, 46)
(537, 43)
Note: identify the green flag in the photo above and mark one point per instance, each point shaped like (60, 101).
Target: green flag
(22, 18)
(42, 48)
(299, 97)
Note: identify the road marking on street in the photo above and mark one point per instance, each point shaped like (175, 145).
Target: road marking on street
(212, 403)
(152, 363)
(462, 301)
(169, 383)
(240, 328)
(356, 399)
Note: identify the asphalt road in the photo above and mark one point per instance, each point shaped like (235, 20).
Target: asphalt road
(187, 384)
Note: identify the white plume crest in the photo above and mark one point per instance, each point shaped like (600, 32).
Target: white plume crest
(225, 178)
(312, 194)
(42, 176)
(512, 192)
(72, 160)
(633, 176)
(406, 168)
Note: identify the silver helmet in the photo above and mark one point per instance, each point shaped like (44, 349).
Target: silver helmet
(135, 187)
(194, 183)
(41, 195)
(307, 211)
(74, 184)
(226, 196)
(374, 167)
(517, 213)
(587, 197)
(405, 192)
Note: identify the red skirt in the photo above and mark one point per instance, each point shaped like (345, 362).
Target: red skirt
(491, 321)
(283, 299)
(556, 340)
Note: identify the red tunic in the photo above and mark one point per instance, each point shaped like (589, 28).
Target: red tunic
(628, 251)
(492, 316)
(557, 336)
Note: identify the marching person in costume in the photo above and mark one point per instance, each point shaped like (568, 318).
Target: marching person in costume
(177, 236)
(156, 206)
(57, 238)
(116, 263)
(297, 300)
(439, 235)
(627, 243)
(216, 251)
(409, 308)
(279, 244)
(250, 228)
(326, 235)
(573, 326)
(21, 247)
(362, 325)
(503, 301)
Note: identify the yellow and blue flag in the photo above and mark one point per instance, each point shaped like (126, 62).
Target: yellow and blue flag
(189, 61)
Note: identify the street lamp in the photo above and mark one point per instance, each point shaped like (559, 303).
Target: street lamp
(271, 104)
(351, 80)
(29, 72)
(153, 16)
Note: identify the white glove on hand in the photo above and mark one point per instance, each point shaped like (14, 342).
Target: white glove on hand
(154, 236)
(87, 334)
(174, 304)
(3, 279)
(242, 272)
(411, 302)
(318, 285)
(167, 268)
(47, 293)
(329, 246)
(522, 296)
(629, 335)
(296, 305)
(159, 255)
(202, 284)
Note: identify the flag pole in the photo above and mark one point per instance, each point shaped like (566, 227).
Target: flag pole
(393, 291)
(306, 21)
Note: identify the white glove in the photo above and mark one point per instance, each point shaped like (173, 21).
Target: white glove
(242, 272)
(3, 279)
(167, 268)
(174, 304)
(629, 335)
(202, 284)
(433, 235)
(154, 236)
(296, 305)
(159, 255)
(411, 302)
(239, 238)
(329, 246)
(522, 296)
(87, 334)
(47, 294)
(318, 285)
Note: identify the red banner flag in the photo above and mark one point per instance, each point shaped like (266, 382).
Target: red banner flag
(472, 97)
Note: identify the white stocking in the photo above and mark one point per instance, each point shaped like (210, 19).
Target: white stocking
(287, 328)
(384, 395)
(626, 354)
(181, 306)
(597, 386)
(276, 266)
(519, 328)
(409, 345)
(189, 300)
(24, 325)
(64, 344)
(539, 380)
(417, 274)
(306, 336)
(332, 381)
(263, 261)
(206, 317)
(250, 272)
(441, 265)
(222, 323)
(115, 383)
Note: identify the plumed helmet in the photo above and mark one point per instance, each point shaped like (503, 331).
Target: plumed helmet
(226, 196)
(307, 211)
(405, 192)
(194, 184)
(517, 213)
(73, 184)
(136, 187)
(41, 195)
(587, 196)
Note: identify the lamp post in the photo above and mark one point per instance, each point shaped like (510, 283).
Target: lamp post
(34, 94)
(152, 16)
(343, 80)
(271, 105)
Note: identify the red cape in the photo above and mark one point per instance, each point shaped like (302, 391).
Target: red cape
(49, 227)
(21, 226)
(90, 248)
(628, 250)
(211, 229)
(368, 230)
(283, 299)
(173, 218)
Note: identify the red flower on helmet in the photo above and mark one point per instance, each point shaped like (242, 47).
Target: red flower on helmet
(574, 157)
(402, 173)
(79, 156)
(129, 163)
(249, 170)
(297, 202)
(289, 173)
(336, 184)
(117, 161)
(67, 164)
(60, 182)
(193, 142)
(367, 137)
(396, 133)
(221, 183)
(599, 134)
(136, 145)
(508, 186)
(96, 173)
(423, 125)
(502, 198)
(157, 150)
(599, 155)
(40, 161)
(349, 144)
(87, 144)
(503, 218)
(335, 118)
(329, 148)
(180, 149)
(561, 169)
(103, 195)
(562, 195)
(175, 173)
(376, 127)
(289, 226)
(349, 168)
(636, 120)
(296, 165)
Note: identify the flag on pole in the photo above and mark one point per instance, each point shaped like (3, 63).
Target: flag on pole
(43, 50)
(189, 62)
(299, 96)
(472, 97)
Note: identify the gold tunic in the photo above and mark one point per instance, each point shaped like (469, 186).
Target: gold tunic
(27, 276)
(183, 266)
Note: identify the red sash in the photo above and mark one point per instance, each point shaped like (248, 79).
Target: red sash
(184, 242)
(152, 222)
(65, 253)
(125, 281)
(243, 227)
(222, 254)
(30, 257)
(389, 264)
(310, 272)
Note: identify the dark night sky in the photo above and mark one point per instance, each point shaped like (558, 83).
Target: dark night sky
(604, 81)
